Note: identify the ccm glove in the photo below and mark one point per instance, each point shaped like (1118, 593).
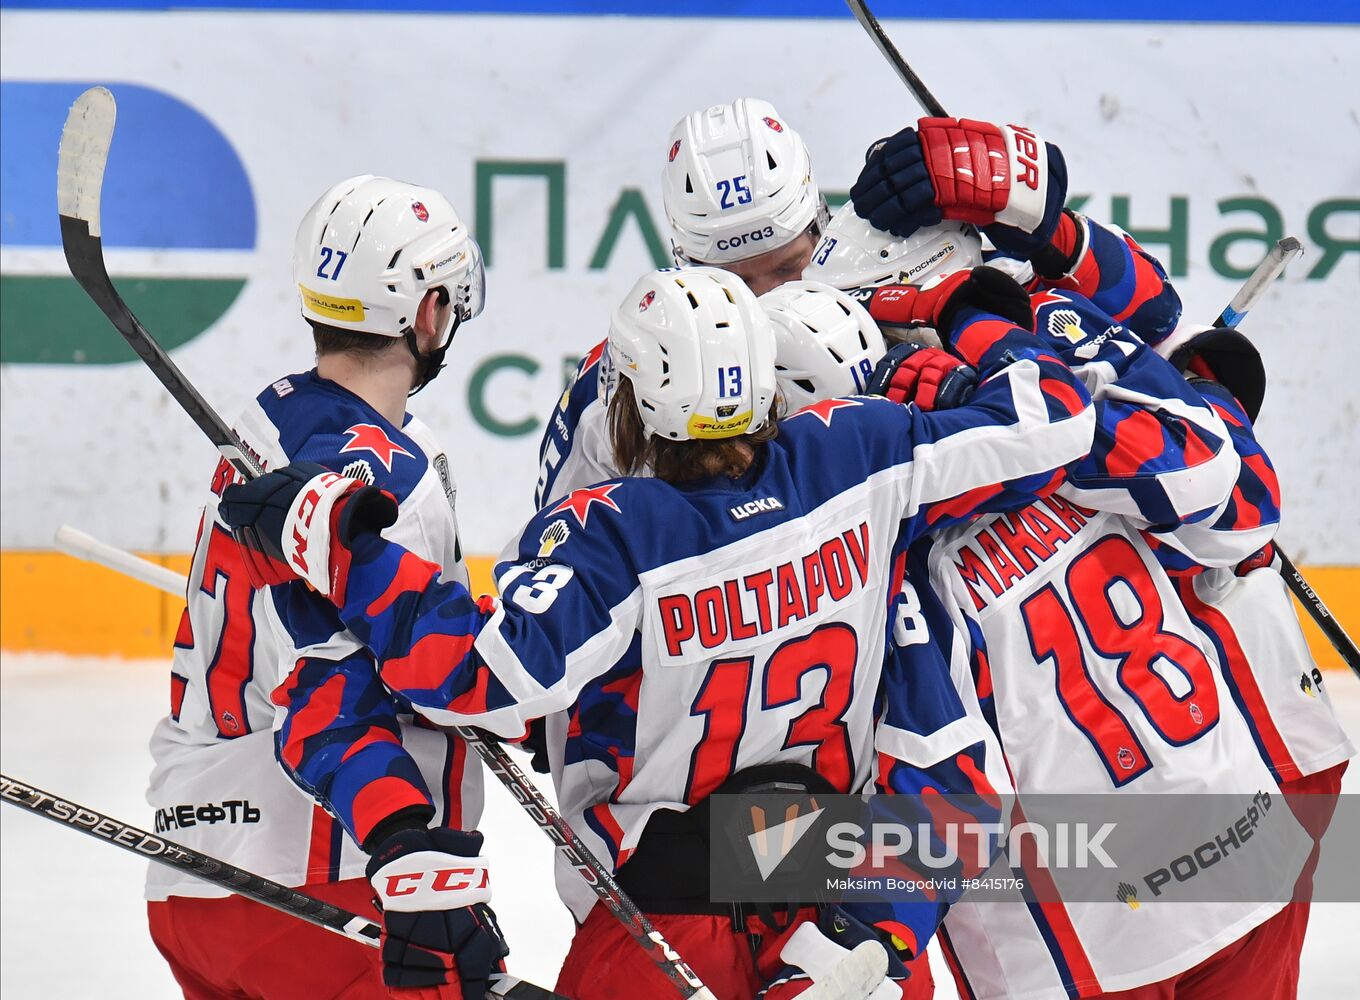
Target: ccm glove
(927, 376)
(285, 521)
(1003, 178)
(937, 303)
(439, 936)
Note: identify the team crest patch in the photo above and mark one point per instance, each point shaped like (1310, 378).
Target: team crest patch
(1125, 758)
(441, 468)
(580, 501)
(553, 536)
(372, 438)
(360, 470)
(1066, 324)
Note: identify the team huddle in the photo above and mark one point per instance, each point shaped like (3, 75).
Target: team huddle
(937, 496)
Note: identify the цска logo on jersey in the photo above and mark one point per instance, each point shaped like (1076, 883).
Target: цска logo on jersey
(177, 213)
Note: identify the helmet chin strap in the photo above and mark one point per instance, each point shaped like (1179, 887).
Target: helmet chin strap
(430, 365)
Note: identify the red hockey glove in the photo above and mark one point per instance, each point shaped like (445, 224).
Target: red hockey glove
(938, 302)
(440, 939)
(1004, 178)
(286, 521)
(927, 376)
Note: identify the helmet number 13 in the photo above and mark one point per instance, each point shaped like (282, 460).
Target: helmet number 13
(729, 382)
(327, 255)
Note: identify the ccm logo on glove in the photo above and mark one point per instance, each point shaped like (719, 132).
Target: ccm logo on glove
(300, 519)
(441, 880)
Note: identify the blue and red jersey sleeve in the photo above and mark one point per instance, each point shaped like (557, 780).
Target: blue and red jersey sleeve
(434, 639)
(1161, 454)
(1118, 276)
(1246, 522)
(341, 742)
(1029, 418)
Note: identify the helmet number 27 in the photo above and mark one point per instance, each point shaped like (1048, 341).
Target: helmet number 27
(327, 255)
(735, 188)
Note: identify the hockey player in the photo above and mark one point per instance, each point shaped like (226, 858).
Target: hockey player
(612, 605)
(739, 194)
(386, 272)
(1017, 587)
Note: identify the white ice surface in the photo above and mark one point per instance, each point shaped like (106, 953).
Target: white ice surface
(72, 920)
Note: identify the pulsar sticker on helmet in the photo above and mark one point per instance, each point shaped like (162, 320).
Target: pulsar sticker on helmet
(705, 427)
(344, 310)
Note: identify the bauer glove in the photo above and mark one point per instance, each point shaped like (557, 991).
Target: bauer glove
(1004, 179)
(439, 935)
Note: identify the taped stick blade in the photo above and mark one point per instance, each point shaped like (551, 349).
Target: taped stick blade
(83, 154)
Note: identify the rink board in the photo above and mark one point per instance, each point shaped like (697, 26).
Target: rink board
(549, 133)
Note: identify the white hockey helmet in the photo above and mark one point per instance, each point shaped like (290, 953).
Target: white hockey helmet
(737, 183)
(699, 352)
(825, 343)
(853, 254)
(371, 247)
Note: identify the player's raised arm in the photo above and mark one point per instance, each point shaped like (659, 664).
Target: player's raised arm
(1162, 454)
(1028, 418)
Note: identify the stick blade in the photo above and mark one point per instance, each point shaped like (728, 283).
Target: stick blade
(84, 152)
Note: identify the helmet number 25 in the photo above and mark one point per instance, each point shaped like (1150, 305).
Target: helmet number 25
(734, 192)
(327, 255)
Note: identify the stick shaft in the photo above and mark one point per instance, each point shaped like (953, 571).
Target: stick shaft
(1259, 280)
(79, 545)
(149, 846)
(904, 71)
(81, 168)
(1320, 613)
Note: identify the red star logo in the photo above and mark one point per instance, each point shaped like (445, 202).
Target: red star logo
(580, 500)
(371, 437)
(1047, 297)
(825, 408)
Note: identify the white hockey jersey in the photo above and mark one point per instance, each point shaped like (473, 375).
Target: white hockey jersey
(217, 785)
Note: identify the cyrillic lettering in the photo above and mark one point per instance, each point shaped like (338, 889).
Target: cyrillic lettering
(250, 814)
(477, 394)
(1267, 237)
(1333, 248)
(630, 203)
(1176, 236)
(554, 172)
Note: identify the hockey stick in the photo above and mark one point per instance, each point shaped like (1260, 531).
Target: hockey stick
(1250, 293)
(84, 151)
(1247, 296)
(908, 76)
(1276, 260)
(220, 873)
(837, 976)
(82, 546)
